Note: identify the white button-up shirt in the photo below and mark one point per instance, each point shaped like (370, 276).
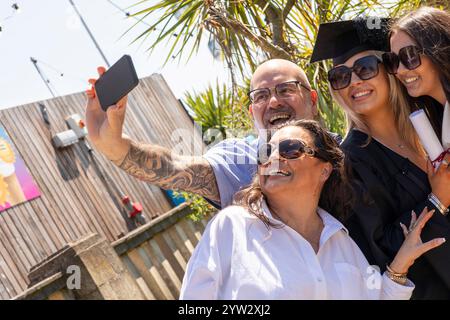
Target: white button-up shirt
(238, 257)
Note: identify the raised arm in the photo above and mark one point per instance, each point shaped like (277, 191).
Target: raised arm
(147, 162)
(158, 165)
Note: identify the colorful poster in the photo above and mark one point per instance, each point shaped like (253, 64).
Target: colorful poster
(16, 183)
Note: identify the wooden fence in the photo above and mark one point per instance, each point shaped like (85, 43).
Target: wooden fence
(156, 255)
(158, 263)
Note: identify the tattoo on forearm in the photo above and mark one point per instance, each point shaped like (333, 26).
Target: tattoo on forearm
(155, 164)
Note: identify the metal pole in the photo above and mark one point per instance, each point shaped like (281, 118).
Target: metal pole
(90, 34)
(46, 81)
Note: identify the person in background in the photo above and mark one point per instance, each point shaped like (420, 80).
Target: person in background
(384, 158)
(283, 240)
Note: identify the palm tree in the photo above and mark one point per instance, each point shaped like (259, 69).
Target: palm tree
(210, 107)
(250, 31)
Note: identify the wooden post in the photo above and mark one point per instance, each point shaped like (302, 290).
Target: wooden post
(101, 274)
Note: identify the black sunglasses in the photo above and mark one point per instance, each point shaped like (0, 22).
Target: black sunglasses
(287, 149)
(409, 56)
(365, 68)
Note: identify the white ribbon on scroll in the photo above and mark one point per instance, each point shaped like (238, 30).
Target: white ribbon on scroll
(427, 136)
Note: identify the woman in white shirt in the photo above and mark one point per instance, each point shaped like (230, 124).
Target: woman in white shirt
(279, 242)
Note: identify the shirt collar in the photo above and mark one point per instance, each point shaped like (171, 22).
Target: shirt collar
(331, 224)
(330, 221)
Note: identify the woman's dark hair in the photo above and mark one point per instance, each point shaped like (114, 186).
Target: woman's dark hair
(336, 195)
(430, 29)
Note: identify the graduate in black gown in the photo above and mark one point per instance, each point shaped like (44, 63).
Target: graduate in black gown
(383, 154)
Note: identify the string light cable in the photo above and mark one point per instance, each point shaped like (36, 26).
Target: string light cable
(15, 10)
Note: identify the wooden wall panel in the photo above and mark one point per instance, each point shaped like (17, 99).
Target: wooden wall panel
(158, 265)
(75, 200)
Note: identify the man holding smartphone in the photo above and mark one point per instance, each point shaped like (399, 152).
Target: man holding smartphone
(280, 92)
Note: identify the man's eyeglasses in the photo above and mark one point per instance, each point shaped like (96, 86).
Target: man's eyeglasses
(283, 90)
(365, 68)
(287, 149)
(409, 56)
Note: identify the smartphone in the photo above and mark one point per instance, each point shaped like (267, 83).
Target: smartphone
(116, 82)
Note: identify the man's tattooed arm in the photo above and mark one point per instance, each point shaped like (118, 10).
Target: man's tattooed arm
(157, 165)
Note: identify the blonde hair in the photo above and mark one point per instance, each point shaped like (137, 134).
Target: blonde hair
(401, 107)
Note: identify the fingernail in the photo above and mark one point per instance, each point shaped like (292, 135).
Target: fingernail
(443, 240)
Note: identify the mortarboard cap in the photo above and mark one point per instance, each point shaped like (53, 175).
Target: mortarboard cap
(343, 39)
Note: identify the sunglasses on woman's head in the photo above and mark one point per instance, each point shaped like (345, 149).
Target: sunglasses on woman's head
(409, 56)
(287, 149)
(365, 68)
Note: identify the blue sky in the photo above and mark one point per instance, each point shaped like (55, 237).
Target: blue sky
(50, 32)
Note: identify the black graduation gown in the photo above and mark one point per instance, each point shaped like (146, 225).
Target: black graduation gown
(388, 187)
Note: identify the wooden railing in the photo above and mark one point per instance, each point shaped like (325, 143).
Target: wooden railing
(156, 255)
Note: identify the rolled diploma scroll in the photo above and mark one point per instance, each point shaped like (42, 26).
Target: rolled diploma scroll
(426, 134)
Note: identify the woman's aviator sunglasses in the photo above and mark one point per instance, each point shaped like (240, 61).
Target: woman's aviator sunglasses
(365, 68)
(287, 149)
(409, 56)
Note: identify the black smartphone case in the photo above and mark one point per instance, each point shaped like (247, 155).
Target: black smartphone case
(116, 82)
